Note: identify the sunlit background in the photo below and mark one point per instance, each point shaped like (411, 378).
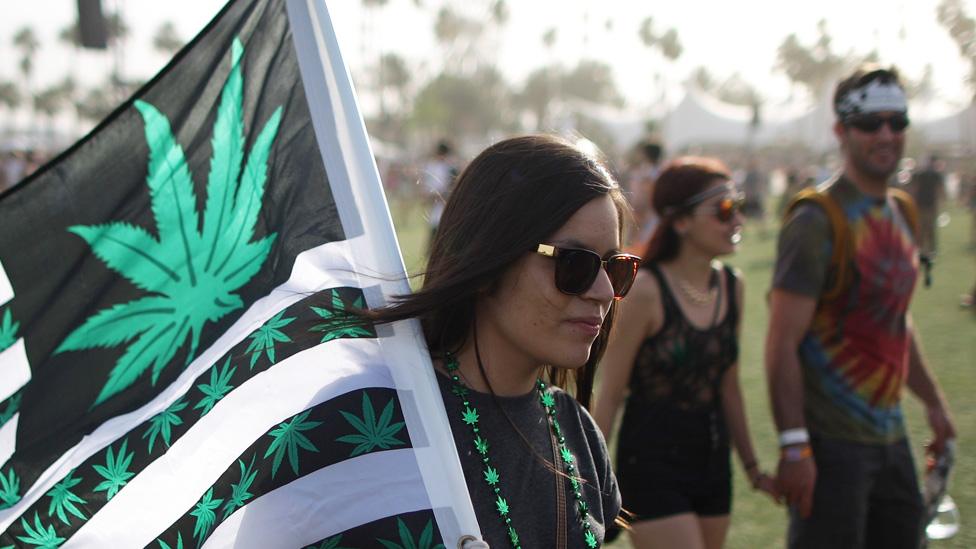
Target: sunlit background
(753, 73)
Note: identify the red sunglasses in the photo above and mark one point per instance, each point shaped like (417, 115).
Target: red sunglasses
(725, 209)
(577, 268)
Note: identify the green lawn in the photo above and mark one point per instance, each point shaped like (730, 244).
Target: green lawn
(948, 335)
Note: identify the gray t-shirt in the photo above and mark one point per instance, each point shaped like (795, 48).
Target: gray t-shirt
(528, 484)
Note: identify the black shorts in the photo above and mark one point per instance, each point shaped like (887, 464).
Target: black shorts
(660, 482)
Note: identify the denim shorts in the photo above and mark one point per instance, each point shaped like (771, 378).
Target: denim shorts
(866, 497)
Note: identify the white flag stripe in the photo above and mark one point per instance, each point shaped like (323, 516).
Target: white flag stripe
(325, 266)
(15, 370)
(6, 290)
(173, 484)
(339, 130)
(333, 499)
(8, 439)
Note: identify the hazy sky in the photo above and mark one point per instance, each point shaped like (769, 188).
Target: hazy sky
(726, 37)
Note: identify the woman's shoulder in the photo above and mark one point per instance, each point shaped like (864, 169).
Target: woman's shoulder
(732, 272)
(646, 288)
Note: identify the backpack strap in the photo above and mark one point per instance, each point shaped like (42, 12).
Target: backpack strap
(908, 208)
(842, 247)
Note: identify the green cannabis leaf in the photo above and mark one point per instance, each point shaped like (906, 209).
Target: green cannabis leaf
(9, 489)
(179, 542)
(63, 499)
(191, 274)
(406, 538)
(204, 512)
(288, 438)
(8, 330)
(13, 404)
(43, 537)
(239, 491)
(338, 321)
(115, 471)
(218, 387)
(265, 337)
(162, 424)
(373, 431)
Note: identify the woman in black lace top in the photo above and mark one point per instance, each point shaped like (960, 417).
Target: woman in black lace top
(675, 355)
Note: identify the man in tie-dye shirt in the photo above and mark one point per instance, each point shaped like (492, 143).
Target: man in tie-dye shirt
(837, 366)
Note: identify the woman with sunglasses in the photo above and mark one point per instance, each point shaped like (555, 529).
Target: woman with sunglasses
(518, 297)
(675, 350)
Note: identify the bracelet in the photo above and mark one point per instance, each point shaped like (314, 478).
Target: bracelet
(789, 437)
(749, 465)
(792, 454)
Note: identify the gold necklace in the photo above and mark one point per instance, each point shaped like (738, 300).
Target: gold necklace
(697, 296)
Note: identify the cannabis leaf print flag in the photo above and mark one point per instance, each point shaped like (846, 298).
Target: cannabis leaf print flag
(178, 362)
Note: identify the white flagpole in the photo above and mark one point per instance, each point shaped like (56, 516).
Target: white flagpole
(356, 187)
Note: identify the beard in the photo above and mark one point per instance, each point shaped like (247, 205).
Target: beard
(876, 161)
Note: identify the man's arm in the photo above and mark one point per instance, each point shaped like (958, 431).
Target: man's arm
(790, 318)
(923, 384)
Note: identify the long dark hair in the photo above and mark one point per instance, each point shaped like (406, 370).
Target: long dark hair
(682, 179)
(511, 197)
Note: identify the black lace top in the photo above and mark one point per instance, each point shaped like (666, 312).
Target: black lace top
(675, 383)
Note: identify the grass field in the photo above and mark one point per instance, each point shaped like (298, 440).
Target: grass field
(948, 336)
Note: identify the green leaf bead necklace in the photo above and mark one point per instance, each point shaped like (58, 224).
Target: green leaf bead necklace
(490, 475)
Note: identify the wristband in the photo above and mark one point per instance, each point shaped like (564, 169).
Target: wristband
(793, 436)
(792, 454)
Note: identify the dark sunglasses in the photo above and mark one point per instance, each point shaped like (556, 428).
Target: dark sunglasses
(576, 269)
(726, 208)
(871, 123)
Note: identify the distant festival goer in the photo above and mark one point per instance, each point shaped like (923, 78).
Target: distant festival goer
(675, 350)
(841, 345)
(640, 183)
(436, 178)
(928, 188)
(517, 302)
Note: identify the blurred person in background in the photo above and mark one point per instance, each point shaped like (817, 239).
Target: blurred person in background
(928, 188)
(755, 185)
(14, 169)
(674, 355)
(967, 195)
(840, 348)
(436, 177)
(640, 185)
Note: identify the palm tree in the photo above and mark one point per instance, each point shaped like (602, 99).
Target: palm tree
(667, 44)
(52, 100)
(9, 96)
(26, 42)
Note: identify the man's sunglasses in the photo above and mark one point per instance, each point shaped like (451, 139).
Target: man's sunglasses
(576, 269)
(871, 123)
(726, 208)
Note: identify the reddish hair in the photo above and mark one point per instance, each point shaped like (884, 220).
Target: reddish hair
(681, 180)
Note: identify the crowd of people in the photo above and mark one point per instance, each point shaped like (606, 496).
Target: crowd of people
(529, 269)
(17, 164)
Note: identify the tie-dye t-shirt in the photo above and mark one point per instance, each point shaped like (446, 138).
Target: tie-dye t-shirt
(855, 354)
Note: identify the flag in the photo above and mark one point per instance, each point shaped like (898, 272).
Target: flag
(177, 367)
